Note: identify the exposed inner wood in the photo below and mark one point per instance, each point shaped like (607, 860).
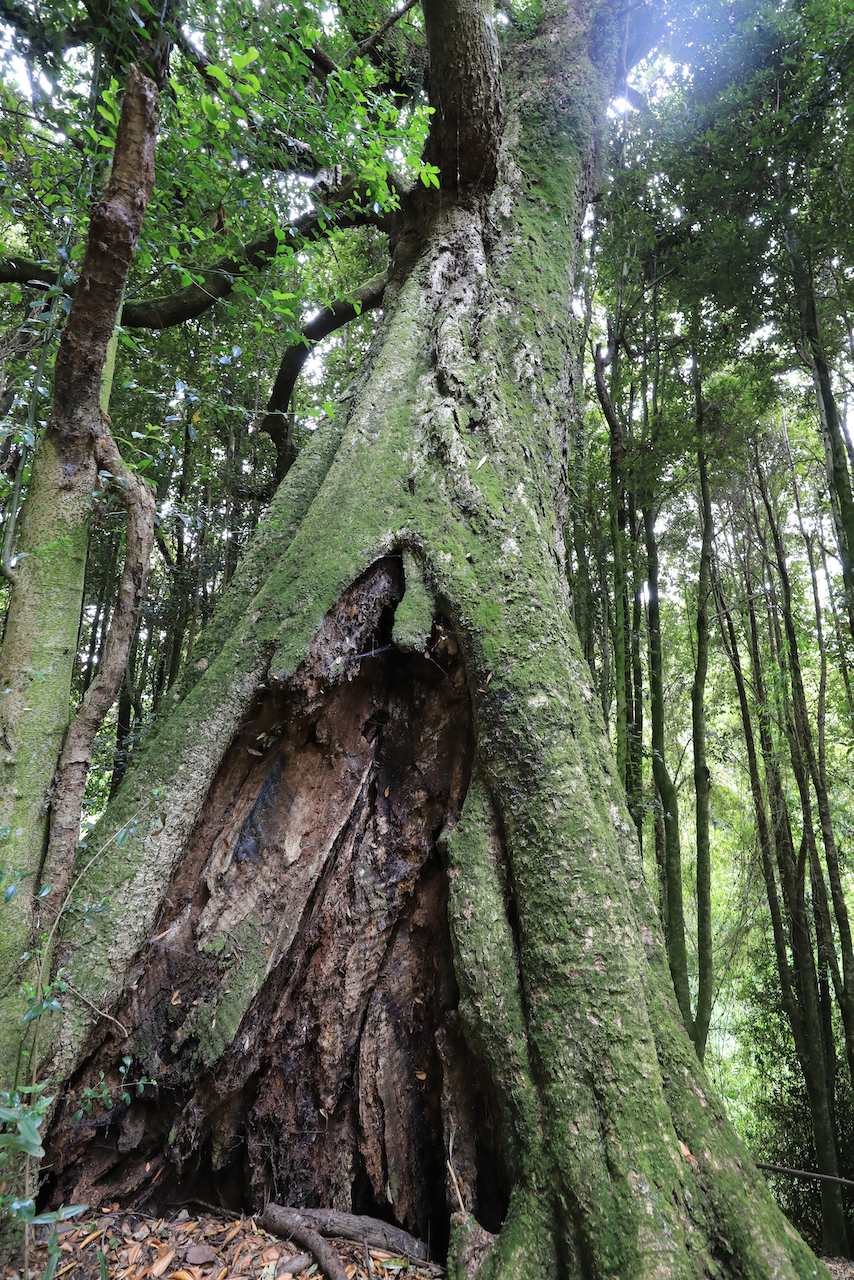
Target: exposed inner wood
(347, 1076)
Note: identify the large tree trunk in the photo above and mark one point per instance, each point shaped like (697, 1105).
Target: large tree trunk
(381, 912)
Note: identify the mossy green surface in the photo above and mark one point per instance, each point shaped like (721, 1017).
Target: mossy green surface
(35, 689)
(453, 457)
(413, 618)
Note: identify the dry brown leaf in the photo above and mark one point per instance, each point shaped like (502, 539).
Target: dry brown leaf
(134, 1251)
(162, 1265)
(200, 1255)
(231, 1233)
(93, 1235)
(181, 1274)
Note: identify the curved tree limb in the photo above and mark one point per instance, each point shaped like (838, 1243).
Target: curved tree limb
(218, 280)
(275, 423)
(83, 430)
(290, 1223)
(300, 157)
(46, 596)
(369, 44)
(346, 1226)
(18, 270)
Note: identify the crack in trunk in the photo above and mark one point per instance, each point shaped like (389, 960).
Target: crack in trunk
(340, 1080)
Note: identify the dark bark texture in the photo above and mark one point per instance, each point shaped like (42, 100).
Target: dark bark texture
(350, 1071)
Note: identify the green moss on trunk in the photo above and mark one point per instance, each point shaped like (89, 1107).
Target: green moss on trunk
(622, 1163)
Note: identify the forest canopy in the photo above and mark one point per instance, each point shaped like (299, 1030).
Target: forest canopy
(210, 216)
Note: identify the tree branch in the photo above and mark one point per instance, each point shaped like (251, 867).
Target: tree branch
(289, 1223)
(114, 227)
(369, 44)
(17, 270)
(217, 281)
(345, 1226)
(73, 768)
(301, 158)
(367, 297)
(82, 430)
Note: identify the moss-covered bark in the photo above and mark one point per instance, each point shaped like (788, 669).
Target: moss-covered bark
(452, 462)
(76, 456)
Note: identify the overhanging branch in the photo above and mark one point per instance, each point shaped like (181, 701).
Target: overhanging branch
(369, 44)
(217, 281)
(275, 423)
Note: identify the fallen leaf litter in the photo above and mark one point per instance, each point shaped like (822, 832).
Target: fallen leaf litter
(202, 1247)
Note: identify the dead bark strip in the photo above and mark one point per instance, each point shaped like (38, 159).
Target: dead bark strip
(346, 1226)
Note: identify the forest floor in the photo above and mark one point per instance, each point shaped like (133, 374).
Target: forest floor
(113, 1245)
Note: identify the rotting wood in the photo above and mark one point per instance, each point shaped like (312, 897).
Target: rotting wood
(290, 1223)
(347, 1226)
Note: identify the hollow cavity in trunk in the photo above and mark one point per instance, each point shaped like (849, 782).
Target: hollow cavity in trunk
(341, 1078)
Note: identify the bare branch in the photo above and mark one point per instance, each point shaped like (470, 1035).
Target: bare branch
(367, 297)
(370, 43)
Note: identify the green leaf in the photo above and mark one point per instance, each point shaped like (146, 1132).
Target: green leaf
(218, 74)
(242, 60)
